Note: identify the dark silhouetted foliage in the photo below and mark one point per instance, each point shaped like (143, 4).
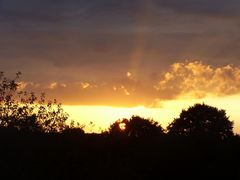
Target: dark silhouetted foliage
(136, 127)
(25, 111)
(202, 120)
(74, 130)
(115, 128)
(132, 148)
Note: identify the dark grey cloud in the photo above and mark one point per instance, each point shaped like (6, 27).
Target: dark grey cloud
(110, 37)
(206, 7)
(60, 9)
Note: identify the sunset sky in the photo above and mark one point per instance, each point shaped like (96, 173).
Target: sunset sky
(110, 59)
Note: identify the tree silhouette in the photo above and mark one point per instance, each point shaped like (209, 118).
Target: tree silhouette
(74, 130)
(115, 128)
(25, 111)
(136, 127)
(202, 120)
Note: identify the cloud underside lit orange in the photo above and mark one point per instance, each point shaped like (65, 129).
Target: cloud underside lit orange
(189, 79)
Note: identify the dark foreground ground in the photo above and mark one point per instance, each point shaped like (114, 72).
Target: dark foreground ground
(55, 156)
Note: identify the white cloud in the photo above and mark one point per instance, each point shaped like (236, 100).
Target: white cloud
(53, 85)
(198, 80)
(85, 85)
(22, 85)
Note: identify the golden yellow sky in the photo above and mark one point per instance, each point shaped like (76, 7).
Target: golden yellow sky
(160, 97)
(103, 116)
(188, 79)
(151, 57)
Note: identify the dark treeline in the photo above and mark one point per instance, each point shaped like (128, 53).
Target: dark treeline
(36, 142)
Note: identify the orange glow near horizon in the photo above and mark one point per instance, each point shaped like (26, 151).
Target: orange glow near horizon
(98, 118)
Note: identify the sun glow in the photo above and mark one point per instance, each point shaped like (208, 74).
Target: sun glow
(122, 126)
(98, 118)
(103, 116)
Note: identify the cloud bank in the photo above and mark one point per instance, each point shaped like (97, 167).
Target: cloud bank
(92, 36)
(199, 80)
(189, 79)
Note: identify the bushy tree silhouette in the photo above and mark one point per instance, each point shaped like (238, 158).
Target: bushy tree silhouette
(25, 111)
(74, 129)
(202, 120)
(118, 128)
(136, 127)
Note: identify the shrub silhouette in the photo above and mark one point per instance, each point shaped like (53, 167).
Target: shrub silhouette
(202, 120)
(25, 111)
(136, 127)
(115, 128)
(74, 130)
